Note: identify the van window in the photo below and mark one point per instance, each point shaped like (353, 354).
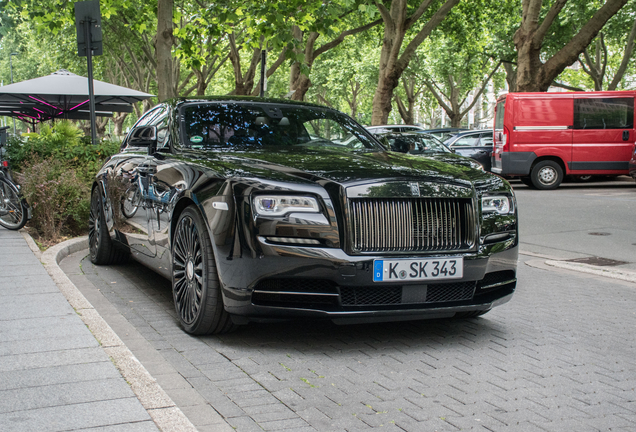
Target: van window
(605, 113)
(499, 119)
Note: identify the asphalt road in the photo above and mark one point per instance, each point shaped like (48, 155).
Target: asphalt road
(559, 357)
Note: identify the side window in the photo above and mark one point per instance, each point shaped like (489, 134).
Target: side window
(485, 139)
(326, 129)
(604, 113)
(467, 141)
(499, 116)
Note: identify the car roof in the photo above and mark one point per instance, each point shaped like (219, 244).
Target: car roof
(394, 126)
(446, 130)
(243, 99)
(470, 132)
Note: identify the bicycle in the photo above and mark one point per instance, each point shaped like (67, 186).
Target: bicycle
(14, 210)
(132, 197)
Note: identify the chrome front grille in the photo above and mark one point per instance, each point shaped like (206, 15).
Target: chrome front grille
(411, 224)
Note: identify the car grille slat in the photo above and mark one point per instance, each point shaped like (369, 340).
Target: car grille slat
(411, 224)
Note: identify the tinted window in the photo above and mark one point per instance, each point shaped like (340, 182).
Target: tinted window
(606, 113)
(414, 144)
(467, 141)
(243, 126)
(499, 117)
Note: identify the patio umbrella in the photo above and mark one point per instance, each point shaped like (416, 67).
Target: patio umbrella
(64, 95)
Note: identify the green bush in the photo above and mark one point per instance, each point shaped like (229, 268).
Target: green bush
(56, 169)
(64, 142)
(59, 200)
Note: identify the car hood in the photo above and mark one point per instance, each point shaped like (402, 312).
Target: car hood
(337, 166)
(453, 158)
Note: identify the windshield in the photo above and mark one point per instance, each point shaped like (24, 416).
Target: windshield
(243, 126)
(414, 144)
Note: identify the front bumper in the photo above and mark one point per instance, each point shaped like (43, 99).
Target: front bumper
(325, 283)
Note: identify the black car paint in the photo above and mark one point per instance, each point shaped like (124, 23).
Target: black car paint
(179, 176)
(480, 150)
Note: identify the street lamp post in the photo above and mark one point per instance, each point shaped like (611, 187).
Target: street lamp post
(11, 68)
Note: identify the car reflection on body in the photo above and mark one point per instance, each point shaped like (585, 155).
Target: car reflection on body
(264, 209)
(417, 143)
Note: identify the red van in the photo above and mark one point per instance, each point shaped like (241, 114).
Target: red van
(541, 137)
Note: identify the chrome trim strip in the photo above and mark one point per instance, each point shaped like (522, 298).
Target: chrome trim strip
(295, 293)
(538, 128)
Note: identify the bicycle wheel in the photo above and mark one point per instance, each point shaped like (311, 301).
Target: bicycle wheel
(13, 210)
(130, 202)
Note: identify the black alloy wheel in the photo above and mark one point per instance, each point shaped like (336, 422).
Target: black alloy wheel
(195, 282)
(101, 247)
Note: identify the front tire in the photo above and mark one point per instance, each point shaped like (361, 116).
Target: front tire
(195, 283)
(13, 210)
(101, 247)
(546, 175)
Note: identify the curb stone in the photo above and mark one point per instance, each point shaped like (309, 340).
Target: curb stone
(625, 275)
(163, 411)
(618, 274)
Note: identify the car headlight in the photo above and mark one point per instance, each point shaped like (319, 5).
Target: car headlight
(500, 204)
(279, 205)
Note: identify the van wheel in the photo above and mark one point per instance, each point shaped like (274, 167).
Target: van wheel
(546, 175)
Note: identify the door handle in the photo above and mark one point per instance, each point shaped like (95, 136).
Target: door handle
(626, 135)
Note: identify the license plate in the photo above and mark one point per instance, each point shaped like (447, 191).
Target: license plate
(405, 270)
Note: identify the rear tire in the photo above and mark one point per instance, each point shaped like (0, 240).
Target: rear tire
(103, 250)
(195, 282)
(546, 175)
(13, 210)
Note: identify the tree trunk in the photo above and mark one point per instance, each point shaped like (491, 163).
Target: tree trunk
(407, 112)
(629, 49)
(532, 73)
(594, 65)
(299, 83)
(118, 121)
(163, 48)
(511, 76)
(392, 63)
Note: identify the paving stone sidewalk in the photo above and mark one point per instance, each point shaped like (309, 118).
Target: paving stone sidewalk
(54, 376)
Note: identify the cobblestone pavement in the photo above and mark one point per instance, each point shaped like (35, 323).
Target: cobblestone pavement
(560, 356)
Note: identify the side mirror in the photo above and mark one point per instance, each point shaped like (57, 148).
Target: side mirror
(144, 136)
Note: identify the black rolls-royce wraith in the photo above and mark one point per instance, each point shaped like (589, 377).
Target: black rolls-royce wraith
(261, 209)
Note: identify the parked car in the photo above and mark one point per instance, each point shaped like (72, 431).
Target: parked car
(476, 144)
(393, 128)
(424, 145)
(444, 133)
(542, 137)
(260, 209)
